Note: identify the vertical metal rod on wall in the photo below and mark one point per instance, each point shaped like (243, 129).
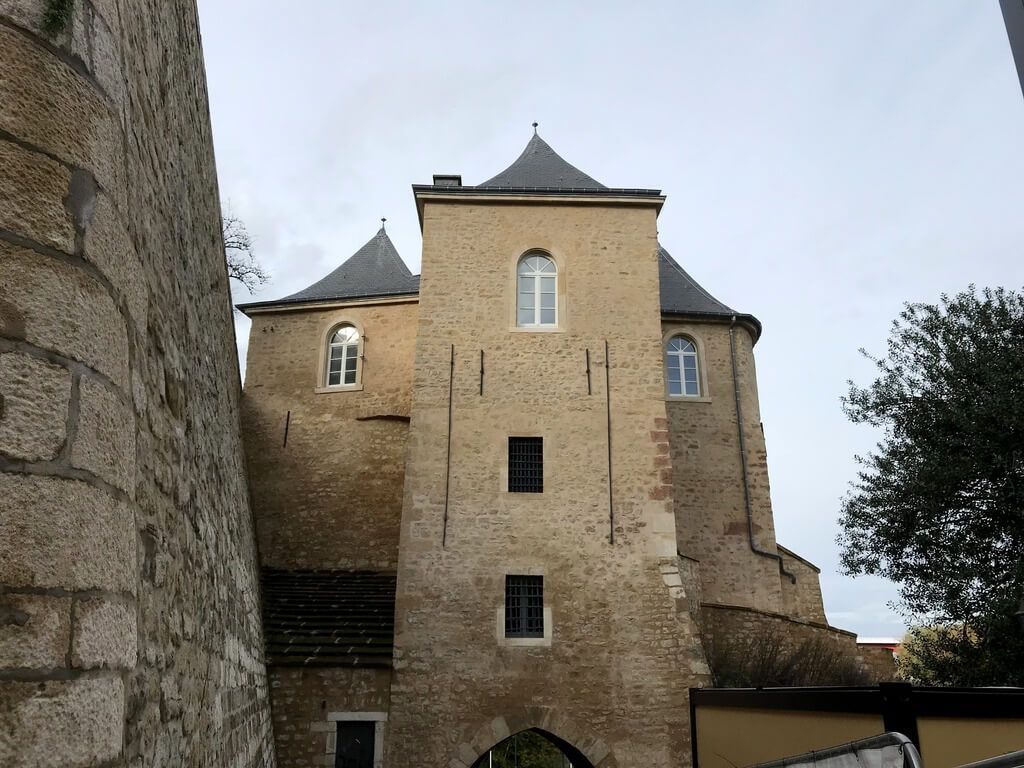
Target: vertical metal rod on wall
(608, 403)
(588, 372)
(448, 456)
(481, 373)
(287, 422)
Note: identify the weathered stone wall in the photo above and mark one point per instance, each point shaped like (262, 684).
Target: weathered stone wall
(752, 630)
(711, 516)
(129, 620)
(801, 599)
(879, 663)
(332, 496)
(305, 698)
(623, 651)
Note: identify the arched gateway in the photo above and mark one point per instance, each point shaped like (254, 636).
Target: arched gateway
(533, 748)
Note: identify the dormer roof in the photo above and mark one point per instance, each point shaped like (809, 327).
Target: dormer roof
(539, 166)
(374, 271)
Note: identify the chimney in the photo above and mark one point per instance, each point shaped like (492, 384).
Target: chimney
(447, 180)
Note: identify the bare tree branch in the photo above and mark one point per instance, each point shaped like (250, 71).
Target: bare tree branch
(238, 250)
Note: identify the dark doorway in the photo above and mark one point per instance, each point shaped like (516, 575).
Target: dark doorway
(355, 745)
(533, 749)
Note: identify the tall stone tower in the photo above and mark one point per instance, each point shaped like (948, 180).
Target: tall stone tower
(538, 577)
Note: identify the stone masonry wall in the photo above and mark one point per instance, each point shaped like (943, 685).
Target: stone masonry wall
(331, 497)
(746, 629)
(801, 599)
(129, 619)
(613, 677)
(305, 697)
(711, 516)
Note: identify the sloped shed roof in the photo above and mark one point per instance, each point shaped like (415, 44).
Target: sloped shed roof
(328, 618)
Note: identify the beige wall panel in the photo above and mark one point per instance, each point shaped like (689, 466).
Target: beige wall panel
(732, 738)
(949, 742)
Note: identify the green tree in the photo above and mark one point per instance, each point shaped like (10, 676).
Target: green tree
(938, 506)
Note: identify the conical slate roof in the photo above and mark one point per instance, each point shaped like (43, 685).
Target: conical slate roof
(681, 293)
(539, 166)
(376, 269)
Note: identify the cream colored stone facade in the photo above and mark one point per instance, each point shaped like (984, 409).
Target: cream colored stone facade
(649, 521)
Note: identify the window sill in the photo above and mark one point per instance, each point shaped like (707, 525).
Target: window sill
(686, 399)
(522, 642)
(339, 388)
(537, 329)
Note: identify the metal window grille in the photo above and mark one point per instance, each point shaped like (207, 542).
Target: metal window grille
(524, 606)
(526, 464)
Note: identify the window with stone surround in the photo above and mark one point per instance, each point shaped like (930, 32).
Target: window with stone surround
(343, 348)
(536, 292)
(524, 606)
(682, 367)
(526, 465)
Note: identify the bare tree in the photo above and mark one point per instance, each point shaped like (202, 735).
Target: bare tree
(242, 263)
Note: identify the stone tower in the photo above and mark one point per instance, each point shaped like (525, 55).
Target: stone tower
(617, 648)
(525, 492)
(129, 613)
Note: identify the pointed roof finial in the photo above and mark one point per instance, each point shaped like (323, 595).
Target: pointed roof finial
(534, 127)
(382, 220)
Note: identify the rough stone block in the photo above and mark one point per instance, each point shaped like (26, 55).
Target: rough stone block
(105, 635)
(34, 631)
(108, 246)
(73, 724)
(34, 398)
(105, 443)
(23, 13)
(64, 533)
(78, 127)
(31, 197)
(54, 306)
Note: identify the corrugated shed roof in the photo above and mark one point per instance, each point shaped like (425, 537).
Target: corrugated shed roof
(539, 166)
(374, 270)
(328, 618)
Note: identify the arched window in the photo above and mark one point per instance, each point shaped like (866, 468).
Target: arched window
(343, 357)
(537, 283)
(683, 367)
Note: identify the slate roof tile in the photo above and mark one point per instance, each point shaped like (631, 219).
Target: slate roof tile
(328, 618)
(539, 166)
(374, 270)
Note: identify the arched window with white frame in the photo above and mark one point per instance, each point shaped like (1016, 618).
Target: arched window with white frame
(682, 367)
(536, 291)
(343, 357)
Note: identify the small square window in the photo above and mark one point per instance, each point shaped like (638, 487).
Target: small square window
(524, 606)
(526, 465)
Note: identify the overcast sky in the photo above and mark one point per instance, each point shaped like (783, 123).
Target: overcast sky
(824, 162)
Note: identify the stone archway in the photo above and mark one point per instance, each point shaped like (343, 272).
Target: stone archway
(588, 750)
(533, 748)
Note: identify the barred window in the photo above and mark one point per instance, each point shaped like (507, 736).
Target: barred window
(524, 606)
(526, 464)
